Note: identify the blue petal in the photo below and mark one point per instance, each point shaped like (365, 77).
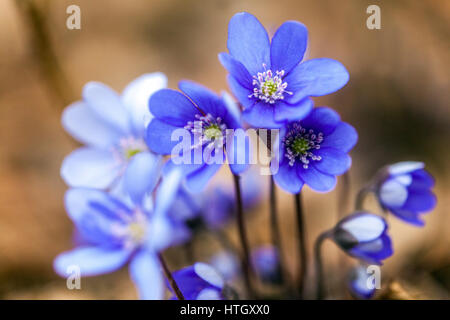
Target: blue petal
(287, 112)
(84, 125)
(421, 180)
(317, 180)
(261, 115)
(142, 174)
(374, 251)
(422, 201)
(238, 151)
(87, 167)
(135, 98)
(288, 46)
(248, 42)
(147, 276)
(106, 104)
(168, 190)
(206, 100)
(393, 194)
(233, 114)
(322, 119)
(172, 107)
(316, 77)
(91, 261)
(159, 137)
(358, 286)
(237, 70)
(287, 179)
(241, 93)
(411, 217)
(363, 226)
(198, 180)
(333, 162)
(343, 138)
(95, 212)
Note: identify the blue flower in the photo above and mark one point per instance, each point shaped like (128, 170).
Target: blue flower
(313, 151)
(227, 264)
(214, 207)
(364, 236)
(199, 282)
(206, 118)
(268, 77)
(266, 261)
(116, 231)
(404, 190)
(358, 284)
(112, 127)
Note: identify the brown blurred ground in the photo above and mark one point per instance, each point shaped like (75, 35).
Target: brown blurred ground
(397, 98)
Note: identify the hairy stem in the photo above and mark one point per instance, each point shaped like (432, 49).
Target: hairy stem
(303, 255)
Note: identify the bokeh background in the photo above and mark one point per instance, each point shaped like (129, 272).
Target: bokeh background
(397, 98)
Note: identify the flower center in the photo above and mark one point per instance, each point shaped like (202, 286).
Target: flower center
(299, 144)
(269, 87)
(207, 130)
(131, 146)
(137, 232)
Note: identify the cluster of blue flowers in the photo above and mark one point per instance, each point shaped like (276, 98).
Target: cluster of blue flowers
(129, 202)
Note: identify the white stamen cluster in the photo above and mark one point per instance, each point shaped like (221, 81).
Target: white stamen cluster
(132, 229)
(130, 146)
(269, 87)
(299, 144)
(207, 130)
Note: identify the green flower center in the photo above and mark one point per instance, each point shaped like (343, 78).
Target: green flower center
(300, 146)
(137, 231)
(212, 132)
(131, 152)
(269, 87)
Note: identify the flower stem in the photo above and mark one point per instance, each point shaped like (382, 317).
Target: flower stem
(275, 229)
(344, 196)
(303, 255)
(169, 277)
(361, 196)
(320, 291)
(246, 263)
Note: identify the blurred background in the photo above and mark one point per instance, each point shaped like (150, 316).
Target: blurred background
(397, 98)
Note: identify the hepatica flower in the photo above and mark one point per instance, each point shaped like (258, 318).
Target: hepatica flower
(266, 261)
(117, 232)
(112, 128)
(405, 190)
(361, 285)
(199, 282)
(269, 78)
(364, 236)
(313, 151)
(205, 118)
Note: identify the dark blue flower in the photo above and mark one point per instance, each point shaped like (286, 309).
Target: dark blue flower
(266, 261)
(268, 77)
(359, 285)
(199, 282)
(313, 151)
(112, 127)
(207, 119)
(116, 230)
(364, 236)
(405, 190)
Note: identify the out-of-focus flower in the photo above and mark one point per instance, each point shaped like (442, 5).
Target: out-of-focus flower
(268, 77)
(112, 127)
(227, 264)
(216, 206)
(205, 117)
(117, 231)
(364, 236)
(313, 151)
(359, 285)
(266, 261)
(199, 282)
(405, 190)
